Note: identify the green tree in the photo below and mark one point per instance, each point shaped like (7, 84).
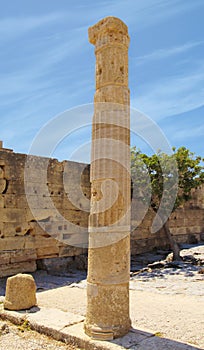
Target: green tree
(165, 182)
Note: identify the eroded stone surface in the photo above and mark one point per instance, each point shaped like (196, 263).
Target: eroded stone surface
(20, 292)
(109, 222)
(28, 228)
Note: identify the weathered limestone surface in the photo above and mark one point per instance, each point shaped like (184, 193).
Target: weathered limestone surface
(23, 241)
(109, 223)
(20, 292)
(28, 231)
(186, 224)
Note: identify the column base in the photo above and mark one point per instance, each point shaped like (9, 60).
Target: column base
(106, 333)
(107, 315)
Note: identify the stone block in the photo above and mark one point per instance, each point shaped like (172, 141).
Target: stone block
(76, 239)
(10, 201)
(55, 177)
(178, 230)
(12, 243)
(13, 201)
(193, 214)
(32, 242)
(36, 188)
(46, 252)
(180, 222)
(5, 257)
(35, 162)
(20, 267)
(23, 255)
(55, 189)
(36, 175)
(12, 172)
(41, 215)
(42, 202)
(67, 250)
(55, 165)
(20, 292)
(2, 161)
(12, 215)
(12, 229)
(16, 187)
(194, 229)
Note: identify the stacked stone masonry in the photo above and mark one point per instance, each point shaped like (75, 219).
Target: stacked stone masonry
(28, 234)
(186, 225)
(23, 241)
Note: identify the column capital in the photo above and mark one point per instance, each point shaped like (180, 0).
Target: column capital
(109, 30)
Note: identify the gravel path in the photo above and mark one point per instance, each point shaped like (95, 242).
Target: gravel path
(19, 338)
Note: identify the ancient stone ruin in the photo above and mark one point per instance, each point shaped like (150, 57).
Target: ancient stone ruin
(109, 223)
(28, 241)
(24, 245)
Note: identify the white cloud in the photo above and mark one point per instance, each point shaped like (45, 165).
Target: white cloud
(175, 95)
(144, 13)
(189, 132)
(165, 53)
(35, 76)
(15, 26)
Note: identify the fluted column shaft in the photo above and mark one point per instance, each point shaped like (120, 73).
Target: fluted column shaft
(109, 222)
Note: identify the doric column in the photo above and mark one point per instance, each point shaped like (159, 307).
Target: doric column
(109, 222)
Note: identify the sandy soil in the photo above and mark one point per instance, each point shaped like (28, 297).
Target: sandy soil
(168, 301)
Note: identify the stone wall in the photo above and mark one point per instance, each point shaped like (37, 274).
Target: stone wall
(186, 225)
(38, 237)
(28, 236)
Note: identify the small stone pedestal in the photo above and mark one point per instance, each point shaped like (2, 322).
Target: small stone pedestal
(20, 292)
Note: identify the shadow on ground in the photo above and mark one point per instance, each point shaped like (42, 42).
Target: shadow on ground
(70, 330)
(45, 281)
(142, 340)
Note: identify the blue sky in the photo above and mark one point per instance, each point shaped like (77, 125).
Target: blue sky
(47, 67)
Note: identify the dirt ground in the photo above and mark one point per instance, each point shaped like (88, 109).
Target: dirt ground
(17, 338)
(173, 316)
(168, 301)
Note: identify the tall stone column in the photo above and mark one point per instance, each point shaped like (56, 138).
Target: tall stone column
(109, 222)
